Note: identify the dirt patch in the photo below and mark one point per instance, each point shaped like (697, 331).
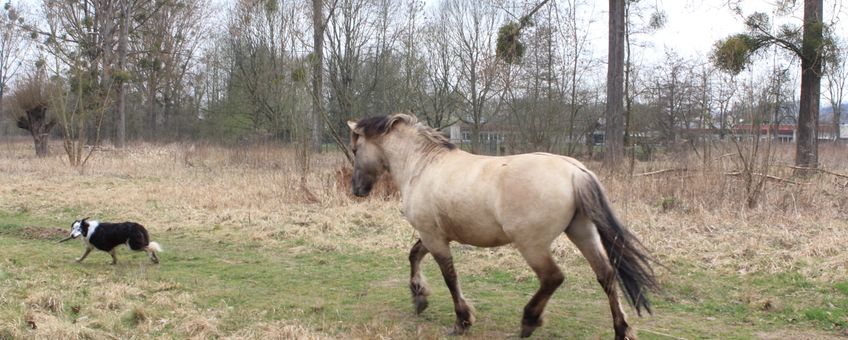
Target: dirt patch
(39, 233)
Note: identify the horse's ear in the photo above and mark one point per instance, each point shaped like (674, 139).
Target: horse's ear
(352, 125)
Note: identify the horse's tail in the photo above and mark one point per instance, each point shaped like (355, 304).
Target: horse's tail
(626, 253)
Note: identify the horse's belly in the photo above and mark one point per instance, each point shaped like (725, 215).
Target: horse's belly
(474, 233)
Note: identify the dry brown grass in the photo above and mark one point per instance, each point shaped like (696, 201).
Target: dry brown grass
(199, 327)
(45, 302)
(280, 330)
(48, 326)
(701, 215)
(253, 194)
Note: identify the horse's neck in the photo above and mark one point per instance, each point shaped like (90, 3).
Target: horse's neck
(403, 153)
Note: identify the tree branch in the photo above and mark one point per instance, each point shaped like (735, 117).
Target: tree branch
(525, 20)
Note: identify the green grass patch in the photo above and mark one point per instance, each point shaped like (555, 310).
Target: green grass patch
(841, 287)
(347, 291)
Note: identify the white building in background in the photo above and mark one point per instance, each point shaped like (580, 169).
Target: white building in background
(843, 131)
(455, 133)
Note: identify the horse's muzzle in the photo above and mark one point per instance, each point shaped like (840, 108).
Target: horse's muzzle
(361, 186)
(361, 190)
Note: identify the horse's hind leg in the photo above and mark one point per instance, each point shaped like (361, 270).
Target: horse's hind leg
(585, 236)
(417, 284)
(550, 278)
(441, 252)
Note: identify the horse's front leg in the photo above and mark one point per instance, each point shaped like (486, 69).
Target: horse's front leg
(464, 312)
(417, 284)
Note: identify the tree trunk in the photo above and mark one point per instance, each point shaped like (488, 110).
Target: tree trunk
(151, 102)
(806, 151)
(122, 87)
(40, 139)
(36, 122)
(317, 123)
(614, 130)
(2, 94)
(475, 138)
(627, 69)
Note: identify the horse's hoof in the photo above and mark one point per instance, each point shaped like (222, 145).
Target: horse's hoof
(625, 332)
(529, 326)
(527, 331)
(462, 326)
(420, 304)
(629, 334)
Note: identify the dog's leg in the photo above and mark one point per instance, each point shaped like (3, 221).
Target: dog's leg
(114, 258)
(87, 250)
(152, 254)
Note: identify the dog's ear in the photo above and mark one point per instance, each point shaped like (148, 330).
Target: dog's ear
(85, 222)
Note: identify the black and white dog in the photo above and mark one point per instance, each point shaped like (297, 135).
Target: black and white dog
(108, 236)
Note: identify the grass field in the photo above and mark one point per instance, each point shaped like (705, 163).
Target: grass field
(246, 256)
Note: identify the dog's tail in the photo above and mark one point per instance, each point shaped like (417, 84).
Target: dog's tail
(155, 246)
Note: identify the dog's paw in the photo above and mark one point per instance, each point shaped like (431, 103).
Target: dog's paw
(78, 260)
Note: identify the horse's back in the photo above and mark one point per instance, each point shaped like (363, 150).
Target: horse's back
(487, 201)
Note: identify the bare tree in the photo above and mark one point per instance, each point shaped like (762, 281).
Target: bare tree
(807, 151)
(577, 35)
(635, 24)
(13, 46)
(347, 36)
(761, 102)
(170, 35)
(836, 73)
(535, 94)
(80, 37)
(318, 25)
(473, 40)
(31, 99)
(724, 94)
(671, 93)
(122, 76)
(614, 114)
(442, 100)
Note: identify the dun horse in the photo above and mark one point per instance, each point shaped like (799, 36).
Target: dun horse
(527, 200)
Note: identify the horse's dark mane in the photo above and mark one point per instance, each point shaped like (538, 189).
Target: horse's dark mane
(373, 126)
(379, 125)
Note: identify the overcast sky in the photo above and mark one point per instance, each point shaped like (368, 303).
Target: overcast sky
(692, 26)
(691, 29)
